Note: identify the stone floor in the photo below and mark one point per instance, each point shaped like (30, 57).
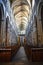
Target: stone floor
(22, 63)
(20, 55)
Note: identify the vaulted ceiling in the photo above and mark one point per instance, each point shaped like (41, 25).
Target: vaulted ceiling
(21, 11)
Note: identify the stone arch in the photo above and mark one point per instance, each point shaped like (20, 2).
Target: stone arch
(39, 23)
(1, 14)
(40, 13)
(39, 9)
(1, 11)
(1, 20)
(42, 16)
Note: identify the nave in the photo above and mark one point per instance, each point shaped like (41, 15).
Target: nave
(21, 31)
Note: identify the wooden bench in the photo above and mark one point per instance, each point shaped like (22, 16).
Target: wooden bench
(37, 54)
(7, 53)
(34, 54)
(14, 49)
(28, 52)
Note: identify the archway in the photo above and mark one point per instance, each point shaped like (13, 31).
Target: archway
(42, 16)
(1, 20)
(40, 22)
(40, 12)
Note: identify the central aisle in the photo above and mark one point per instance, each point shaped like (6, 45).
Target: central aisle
(20, 56)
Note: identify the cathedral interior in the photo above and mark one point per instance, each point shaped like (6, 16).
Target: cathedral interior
(21, 31)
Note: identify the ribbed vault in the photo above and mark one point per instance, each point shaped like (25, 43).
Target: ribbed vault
(21, 11)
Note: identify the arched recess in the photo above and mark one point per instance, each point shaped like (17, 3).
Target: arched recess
(1, 22)
(40, 13)
(40, 22)
(42, 16)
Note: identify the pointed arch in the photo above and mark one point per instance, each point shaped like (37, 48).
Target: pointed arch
(1, 20)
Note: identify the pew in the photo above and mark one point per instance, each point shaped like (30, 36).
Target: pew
(15, 48)
(6, 53)
(28, 52)
(34, 54)
(37, 54)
